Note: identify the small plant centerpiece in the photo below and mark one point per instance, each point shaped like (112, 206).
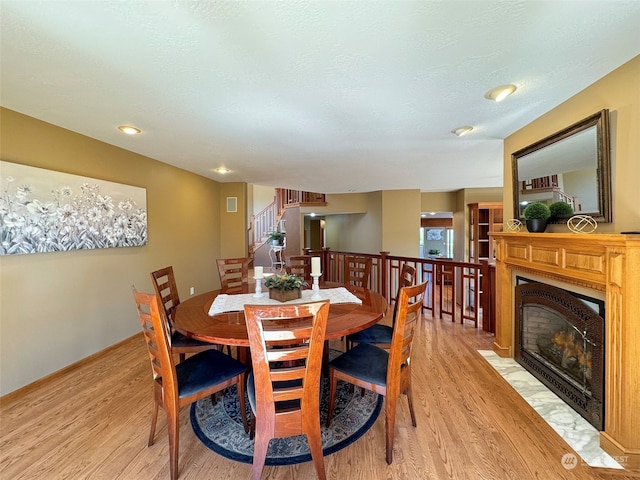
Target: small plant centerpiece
(536, 216)
(275, 237)
(559, 210)
(285, 287)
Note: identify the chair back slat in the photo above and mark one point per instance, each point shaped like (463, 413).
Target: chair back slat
(234, 274)
(407, 275)
(407, 278)
(164, 284)
(287, 354)
(273, 363)
(286, 343)
(286, 394)
(300, 265)
(408, 312)
(284, 374)
(155, 327)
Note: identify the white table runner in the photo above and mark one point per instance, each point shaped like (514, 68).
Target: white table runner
(235, 303)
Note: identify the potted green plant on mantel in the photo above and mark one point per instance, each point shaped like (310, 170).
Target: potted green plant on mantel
(559, 210)
(285, 287)
(536, 216)
(275, 237)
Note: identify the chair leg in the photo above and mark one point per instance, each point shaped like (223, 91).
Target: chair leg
(243, 407)
(154, 419)
(315, 445)
(391, 402)
(325, 358)
(182, 356)
(252, 426)
(409, 394)
(332, 395)
(260, 447)
(174, 441)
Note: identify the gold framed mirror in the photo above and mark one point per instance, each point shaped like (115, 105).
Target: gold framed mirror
(572, 166)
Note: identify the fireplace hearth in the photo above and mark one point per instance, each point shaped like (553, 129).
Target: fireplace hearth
(560, 340)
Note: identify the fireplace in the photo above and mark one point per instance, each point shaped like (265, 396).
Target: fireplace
(606, 266)
(560, 340)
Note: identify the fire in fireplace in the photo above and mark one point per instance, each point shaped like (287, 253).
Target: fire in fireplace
(560, 340)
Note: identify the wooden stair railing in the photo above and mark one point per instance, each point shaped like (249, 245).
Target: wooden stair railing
(268, 219)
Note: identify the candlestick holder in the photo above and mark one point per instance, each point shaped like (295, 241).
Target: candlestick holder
(258, 293)
(316, 286)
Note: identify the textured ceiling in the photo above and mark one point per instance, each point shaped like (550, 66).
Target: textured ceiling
(320, 96)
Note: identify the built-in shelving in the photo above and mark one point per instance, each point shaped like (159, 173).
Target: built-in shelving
(484, 217)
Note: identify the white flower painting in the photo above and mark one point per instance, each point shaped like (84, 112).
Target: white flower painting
(47, 211)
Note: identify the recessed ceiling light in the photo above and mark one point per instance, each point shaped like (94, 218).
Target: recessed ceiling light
(460, 131)
(129, 130)
(222, 170)
(500, 93)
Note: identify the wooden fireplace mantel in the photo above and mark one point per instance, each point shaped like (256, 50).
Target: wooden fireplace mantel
(608, 263)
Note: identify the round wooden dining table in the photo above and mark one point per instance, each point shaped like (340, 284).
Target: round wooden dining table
(192, 317)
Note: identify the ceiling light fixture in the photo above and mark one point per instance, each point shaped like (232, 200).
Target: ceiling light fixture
(129, 130)
(460, 131)
(222, 170)
(500, 93)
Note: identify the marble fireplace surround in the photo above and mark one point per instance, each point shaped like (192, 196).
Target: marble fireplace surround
(608, 265)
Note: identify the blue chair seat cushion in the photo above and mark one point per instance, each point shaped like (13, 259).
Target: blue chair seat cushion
(288, 405)
(204, 370)
(364, 361)
(377, 333)
(179, 340)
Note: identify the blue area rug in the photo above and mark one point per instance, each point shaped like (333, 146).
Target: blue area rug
(220, 428)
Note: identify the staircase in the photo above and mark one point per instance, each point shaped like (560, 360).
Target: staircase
(269, 219)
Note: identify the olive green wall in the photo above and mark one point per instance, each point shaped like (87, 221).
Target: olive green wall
(438, 201)
(342, 203)
(57, 308)
(234, 241)
(620, 93)
(391, 223)
(360, 233)
(401, 222)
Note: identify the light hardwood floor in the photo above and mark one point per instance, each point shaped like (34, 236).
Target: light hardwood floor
(92, 422)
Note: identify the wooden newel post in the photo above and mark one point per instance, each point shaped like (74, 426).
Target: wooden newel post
(485, 295)
(326, 264)
(384, 280)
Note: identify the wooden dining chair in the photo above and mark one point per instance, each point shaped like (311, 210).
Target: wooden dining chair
(384, 372)
(176, 386)
(164, 284)
(300, 265)
(380, 334)
(234, 275)
(286, 344)
(357, 271)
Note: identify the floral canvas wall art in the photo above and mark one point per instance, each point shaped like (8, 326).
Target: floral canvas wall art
(48, 211)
